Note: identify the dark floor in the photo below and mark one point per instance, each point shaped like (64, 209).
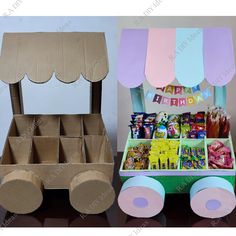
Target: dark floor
(56, 211)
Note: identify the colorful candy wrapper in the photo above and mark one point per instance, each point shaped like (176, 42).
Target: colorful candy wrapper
(162, 118)
(201, 134)
(136, 131)
(163, 161)
(185, 129)
(161, 131)
(219, 156)
(150, 118)
(173, 130)
(173, 161)
(138, 117)
(173, 118)
(193, 134)
(147, 131)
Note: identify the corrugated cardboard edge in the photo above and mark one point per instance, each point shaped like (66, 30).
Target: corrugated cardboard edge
(91, 192)
(40, 55)
(21, 192)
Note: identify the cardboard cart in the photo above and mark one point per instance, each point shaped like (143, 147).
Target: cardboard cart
(189, 55)
(55, 151)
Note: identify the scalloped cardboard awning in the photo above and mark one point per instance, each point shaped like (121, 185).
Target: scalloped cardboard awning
(186, 54)
(67, 54)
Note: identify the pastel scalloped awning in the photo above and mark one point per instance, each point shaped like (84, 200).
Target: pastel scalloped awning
(67, 54)
(189, 55)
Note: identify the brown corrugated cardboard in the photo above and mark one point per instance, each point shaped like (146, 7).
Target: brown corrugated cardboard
(47, 125)
(71, 125)
(17, 150)
(67, 54)
(91, 192)
(71, 150)
(55, 151)
(21, 192)
(58, 157)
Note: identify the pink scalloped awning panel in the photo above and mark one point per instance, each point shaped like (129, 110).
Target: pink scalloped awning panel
(218, 57)
(132, 57)
(160, 66)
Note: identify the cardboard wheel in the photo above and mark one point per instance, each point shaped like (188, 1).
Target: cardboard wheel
(91, 192)
(21, 192)
(212, 197)
(141, 196)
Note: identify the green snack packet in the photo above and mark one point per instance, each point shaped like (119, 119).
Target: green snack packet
(185, 128)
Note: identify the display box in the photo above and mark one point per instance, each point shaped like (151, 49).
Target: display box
(58, 151)
(172, 179)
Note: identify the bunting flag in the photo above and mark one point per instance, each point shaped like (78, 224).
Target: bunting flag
(169, 89)
(178, 90)
(187, 90)
(196, 89)
(175, 89)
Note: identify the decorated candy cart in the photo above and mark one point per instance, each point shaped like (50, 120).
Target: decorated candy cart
(55, 151)
(177, 153)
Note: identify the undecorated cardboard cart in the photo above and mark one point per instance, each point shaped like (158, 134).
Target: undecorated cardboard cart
(189, 55)
(56, 151)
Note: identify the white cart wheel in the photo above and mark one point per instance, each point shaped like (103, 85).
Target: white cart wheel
(141, 196)
(212, 197)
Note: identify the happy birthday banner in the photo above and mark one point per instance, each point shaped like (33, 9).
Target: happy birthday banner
(196, 97)
(172, 89)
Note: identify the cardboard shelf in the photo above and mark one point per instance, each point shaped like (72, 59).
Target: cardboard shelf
(57, 139)
(45, 150)
(17, 151)
(97, 149)
(22, 126)
(56, 149)
(47, 125)
(71, 150)
(93, 124)
(71, 125)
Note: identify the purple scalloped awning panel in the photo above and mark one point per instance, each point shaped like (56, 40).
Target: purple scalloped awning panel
(218, 57)
(132, 57)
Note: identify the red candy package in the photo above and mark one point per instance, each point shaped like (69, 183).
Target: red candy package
(219, 156)
(216, 145)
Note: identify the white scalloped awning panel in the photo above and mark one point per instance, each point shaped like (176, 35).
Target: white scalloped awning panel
(67, 54)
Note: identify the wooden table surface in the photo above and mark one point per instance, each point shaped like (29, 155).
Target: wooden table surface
(56, 211)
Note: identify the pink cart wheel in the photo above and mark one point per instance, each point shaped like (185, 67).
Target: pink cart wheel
(141, 196)
(212, 197)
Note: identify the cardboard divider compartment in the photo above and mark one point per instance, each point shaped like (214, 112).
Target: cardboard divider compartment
(47, 125)
(97, 149)
(192, 143)
(71, 150)
(93, 124)
(22, 125)
(71, 125)
(227, 142)
(45, 150)
(17, 150)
